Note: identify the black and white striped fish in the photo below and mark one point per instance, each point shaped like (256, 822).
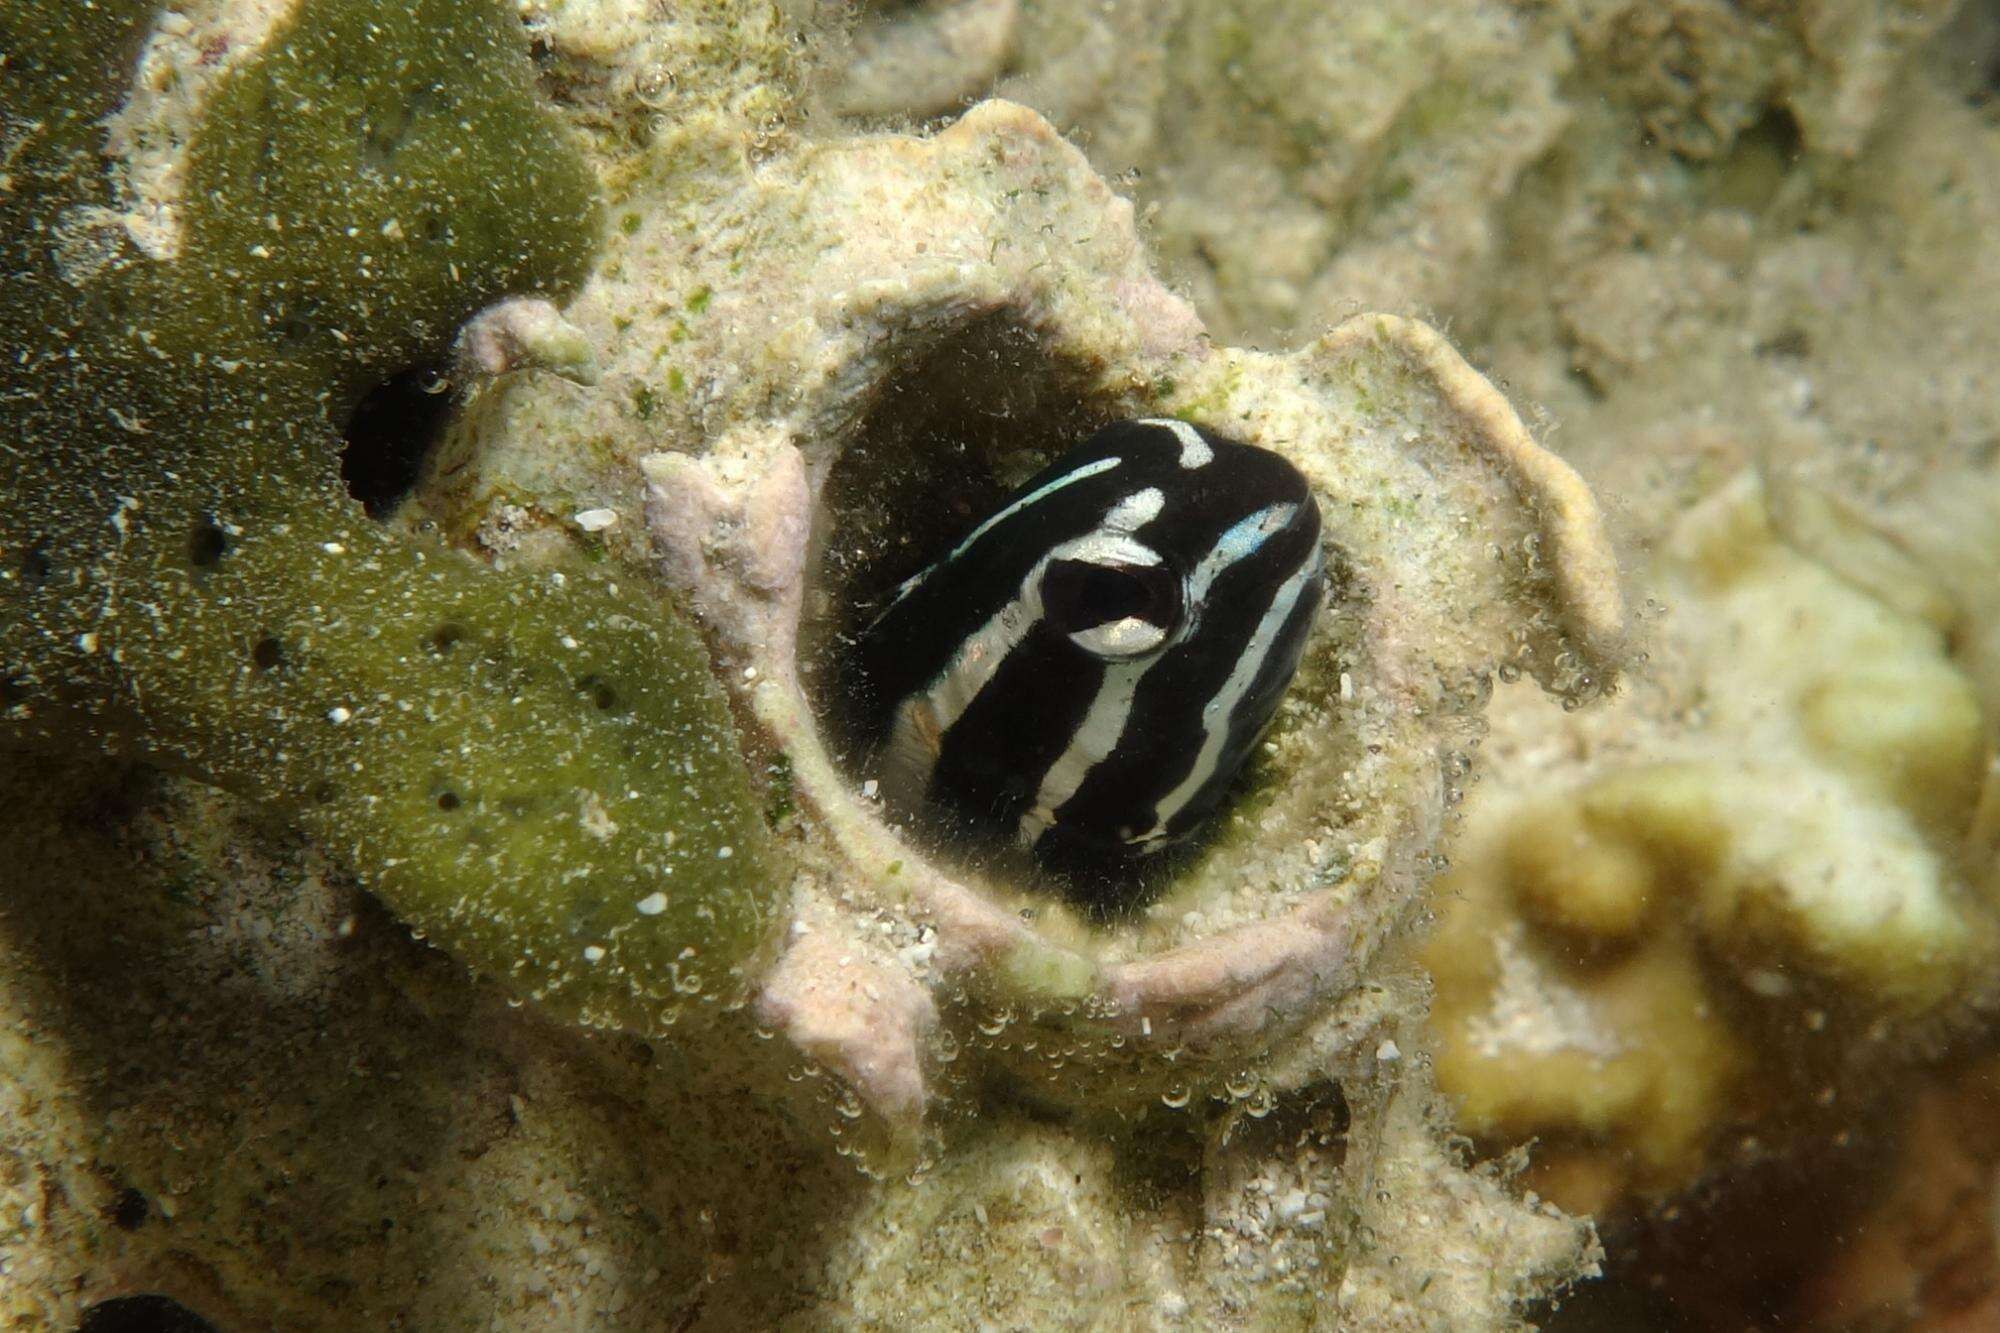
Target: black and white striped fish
(1088, 668)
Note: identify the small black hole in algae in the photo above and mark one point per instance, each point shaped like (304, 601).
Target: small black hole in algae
(128, 1211)
(13, 689)
(207, 545)
(445, 638)
(267, 654)
(142, 1314)
(36, 566)
(600, 693)
(448, 800)
(390, 434)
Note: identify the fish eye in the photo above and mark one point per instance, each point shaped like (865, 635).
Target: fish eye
(1109, 609)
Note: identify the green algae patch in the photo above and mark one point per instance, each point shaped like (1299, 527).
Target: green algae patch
(535, 770)
(365, 181)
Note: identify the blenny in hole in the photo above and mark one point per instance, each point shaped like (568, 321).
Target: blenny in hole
(1086, 671)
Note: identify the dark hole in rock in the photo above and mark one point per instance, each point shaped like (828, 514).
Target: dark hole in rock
(1779, 128)
(292, 317)
(601, 694)
(1316, 1116)
(207, 545)
(947, 437)
(1789, 342)
(13, 689)
(267, 654)
(390, 433)
(142, 1314)
(944, 442)
(322, 793)
(1586, 379)
(1162, 1161)
(448, 800)
(1751, 174)
(36, 566)
(446, 637)
(128, 1210)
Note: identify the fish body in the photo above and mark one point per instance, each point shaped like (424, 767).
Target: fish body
(1087, 669)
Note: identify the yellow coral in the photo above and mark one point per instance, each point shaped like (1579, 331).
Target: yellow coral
(1613, 959)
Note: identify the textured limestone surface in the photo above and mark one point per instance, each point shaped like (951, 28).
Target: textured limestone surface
(1738, 252)
(684, 362)
(803, 387)
(1732, 252)
(1306, 160)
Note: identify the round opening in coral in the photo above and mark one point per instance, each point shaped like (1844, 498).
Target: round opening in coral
(982, 665)
(945, 442)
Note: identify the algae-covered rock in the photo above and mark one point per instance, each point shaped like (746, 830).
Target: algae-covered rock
(534, 768)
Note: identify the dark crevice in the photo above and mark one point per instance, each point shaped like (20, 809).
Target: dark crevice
(1760, 161)
(1586, 379)
(943, 444)
(128, 1212)
(390, 434)
(1316, 1117)
(601, 694)
(142, 1314)
(1778, 130)
(36, 566)
(207, 545)
(1793, 342)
